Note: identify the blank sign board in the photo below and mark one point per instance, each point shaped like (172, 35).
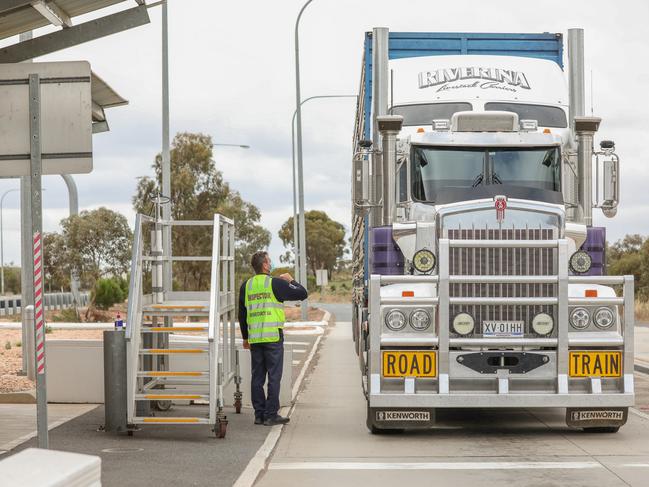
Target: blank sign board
(66, 118)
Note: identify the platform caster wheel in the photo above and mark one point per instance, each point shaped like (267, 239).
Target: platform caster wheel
(602, 429)
(221, 428)
(237, 401)
(162, 405)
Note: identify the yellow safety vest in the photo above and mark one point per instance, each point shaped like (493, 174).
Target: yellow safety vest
(264, 313)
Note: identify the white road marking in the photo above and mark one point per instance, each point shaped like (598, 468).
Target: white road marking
(258, 462)
(433, 466)
(642, 465)
(296, 343)
(299, 350)
(296, 362)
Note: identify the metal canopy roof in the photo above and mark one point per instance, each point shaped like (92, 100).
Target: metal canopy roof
(103, 96)
(18, 16)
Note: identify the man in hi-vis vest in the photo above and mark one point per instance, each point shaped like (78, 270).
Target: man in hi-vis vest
(261, 317)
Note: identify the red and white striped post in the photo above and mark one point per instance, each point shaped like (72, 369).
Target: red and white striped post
(39, 322)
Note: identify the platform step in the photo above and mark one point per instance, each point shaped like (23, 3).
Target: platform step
(166, 351)
(170, 420)
(155, 373)
(171, 329)
(168, 396)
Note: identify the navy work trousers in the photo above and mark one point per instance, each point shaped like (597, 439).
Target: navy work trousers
(266, 360)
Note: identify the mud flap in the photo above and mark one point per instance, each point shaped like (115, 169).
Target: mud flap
(400, 418)
(596, 417)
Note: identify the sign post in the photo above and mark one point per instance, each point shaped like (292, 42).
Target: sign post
(35, 173)
(52, 103)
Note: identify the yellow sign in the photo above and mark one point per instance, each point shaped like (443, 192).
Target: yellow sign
(595, 364)
(409, 364)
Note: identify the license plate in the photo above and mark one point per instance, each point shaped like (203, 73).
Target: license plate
(595, 364)
(503, 328)
(398, 363)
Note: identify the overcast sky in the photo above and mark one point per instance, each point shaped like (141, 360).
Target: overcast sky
(232, 77)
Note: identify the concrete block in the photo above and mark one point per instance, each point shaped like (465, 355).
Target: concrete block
(35, 467)
(75, 371)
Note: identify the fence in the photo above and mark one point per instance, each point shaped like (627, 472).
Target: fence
(11, 305)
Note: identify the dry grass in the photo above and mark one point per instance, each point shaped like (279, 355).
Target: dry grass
(642, 311)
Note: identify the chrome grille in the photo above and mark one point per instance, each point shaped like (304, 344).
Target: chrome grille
(503, 262)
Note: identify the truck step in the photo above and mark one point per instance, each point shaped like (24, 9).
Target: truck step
(171, 329)
(170, 420)
(165, 351)
(170, 396)
(155, 373)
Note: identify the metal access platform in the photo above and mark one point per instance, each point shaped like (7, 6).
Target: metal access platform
(152, 382)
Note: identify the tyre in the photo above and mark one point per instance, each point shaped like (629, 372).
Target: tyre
(602, 429)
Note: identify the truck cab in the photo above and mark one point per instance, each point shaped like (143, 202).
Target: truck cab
(473, 285)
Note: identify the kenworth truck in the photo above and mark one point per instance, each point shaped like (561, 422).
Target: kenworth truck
(479, 278)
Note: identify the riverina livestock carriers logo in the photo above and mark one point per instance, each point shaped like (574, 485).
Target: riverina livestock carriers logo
(484, 78)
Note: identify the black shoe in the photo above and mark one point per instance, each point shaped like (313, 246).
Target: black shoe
(277, 419)
(259, 420)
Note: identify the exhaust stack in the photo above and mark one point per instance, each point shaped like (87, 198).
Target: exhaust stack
(379, 108)
(389, 127)
(585, 127)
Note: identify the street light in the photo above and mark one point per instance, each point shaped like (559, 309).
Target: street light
(2, 243)
(296, 247)
(298, 111)
(242, 146)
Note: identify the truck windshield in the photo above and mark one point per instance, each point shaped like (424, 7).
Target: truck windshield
(434, 168)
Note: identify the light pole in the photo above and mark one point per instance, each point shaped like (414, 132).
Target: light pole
(298, 111)
(296, 248)
(2, 243)
(241, 146)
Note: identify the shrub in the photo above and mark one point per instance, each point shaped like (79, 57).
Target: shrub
(106, 293)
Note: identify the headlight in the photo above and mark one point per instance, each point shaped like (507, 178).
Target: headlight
(542, 324)
(581, 261)
(395, 320)
(424, 261)
(579, 318)
(420, 319)
(463, 323)
(603, 318)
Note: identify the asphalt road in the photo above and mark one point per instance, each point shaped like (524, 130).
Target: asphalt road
(327, 442)
(339, 311)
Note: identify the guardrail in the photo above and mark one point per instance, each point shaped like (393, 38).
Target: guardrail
(12, 305)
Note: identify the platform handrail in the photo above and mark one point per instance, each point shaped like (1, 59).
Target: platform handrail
(133, 318)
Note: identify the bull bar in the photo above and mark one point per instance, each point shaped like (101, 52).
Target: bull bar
(502, 398)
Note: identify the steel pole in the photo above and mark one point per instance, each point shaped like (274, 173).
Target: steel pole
(166, 156)
(296, 248)
(26, 262)
(73, 202)
(300, 176)
(37, 254)
(2, 242)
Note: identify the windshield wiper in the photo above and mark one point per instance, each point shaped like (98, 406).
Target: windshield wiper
(495, 179)
(477, 180)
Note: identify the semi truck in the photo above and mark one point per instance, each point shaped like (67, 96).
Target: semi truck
(479, 279)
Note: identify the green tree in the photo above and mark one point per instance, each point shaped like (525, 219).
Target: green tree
(630, 256)
(198, 191)
(97, 243)
(55, 262)
(325, 240)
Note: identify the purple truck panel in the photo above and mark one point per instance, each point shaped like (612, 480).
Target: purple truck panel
(385, 256)
(595, 245)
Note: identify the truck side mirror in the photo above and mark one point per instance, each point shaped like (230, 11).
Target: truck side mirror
(610, 185)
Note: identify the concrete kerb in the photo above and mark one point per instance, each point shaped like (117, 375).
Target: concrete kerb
(259, 462)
